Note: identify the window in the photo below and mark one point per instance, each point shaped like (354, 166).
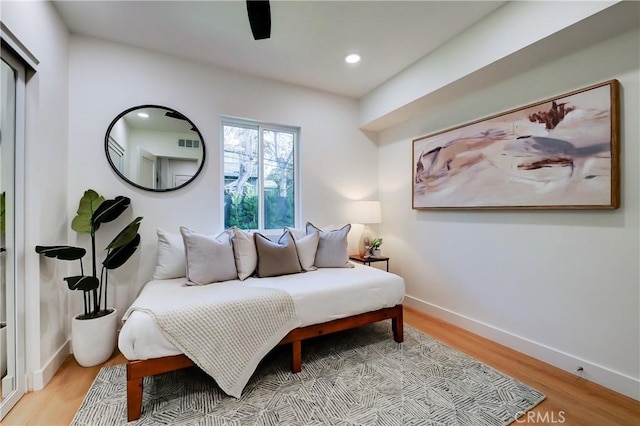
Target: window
(260, 175)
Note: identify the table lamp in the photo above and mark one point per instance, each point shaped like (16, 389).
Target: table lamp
(366, 213)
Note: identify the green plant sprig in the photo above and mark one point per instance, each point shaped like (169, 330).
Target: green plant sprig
(375, 244)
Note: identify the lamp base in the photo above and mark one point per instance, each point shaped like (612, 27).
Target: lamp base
(365, 239)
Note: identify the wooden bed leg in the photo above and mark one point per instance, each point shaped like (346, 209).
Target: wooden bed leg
(296, 362)
(134, 399)
(398, 327)
(138, 370)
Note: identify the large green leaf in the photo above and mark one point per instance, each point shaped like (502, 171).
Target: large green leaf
(83, 283)
(109, 210)
(126, 235)
(89, 203)
(117, 257)
(62, 252)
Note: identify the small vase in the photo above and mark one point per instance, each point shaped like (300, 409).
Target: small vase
(93, 340)
(377, 253)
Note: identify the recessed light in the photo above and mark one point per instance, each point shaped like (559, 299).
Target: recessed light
(143, 115)
(352, 58)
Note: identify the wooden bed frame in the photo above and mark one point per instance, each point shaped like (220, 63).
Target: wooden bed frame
(138, 370)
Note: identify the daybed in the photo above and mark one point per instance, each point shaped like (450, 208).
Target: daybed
(326, 300)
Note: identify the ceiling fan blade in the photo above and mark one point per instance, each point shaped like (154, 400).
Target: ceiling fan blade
(259, 12)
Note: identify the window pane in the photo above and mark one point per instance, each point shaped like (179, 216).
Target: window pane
(240, 176)
(278, 172)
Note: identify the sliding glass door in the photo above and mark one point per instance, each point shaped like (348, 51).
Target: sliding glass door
(12, 356)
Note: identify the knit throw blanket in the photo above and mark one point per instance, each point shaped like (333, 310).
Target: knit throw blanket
(225, 328)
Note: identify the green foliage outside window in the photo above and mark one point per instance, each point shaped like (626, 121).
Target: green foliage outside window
(241, 209)
(278, 210)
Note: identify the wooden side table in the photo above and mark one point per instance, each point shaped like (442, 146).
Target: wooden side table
(369, 260)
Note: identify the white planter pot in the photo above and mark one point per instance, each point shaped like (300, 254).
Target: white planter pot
(93, 340)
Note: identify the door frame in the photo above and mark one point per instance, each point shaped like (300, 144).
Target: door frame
(20, 65)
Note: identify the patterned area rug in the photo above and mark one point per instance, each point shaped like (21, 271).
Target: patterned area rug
(356, 377)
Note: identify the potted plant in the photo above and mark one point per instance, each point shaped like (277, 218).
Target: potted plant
(374, 247)
(93, 333)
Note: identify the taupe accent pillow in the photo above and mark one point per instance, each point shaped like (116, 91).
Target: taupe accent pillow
(332, 247)
(209, 259)
(306, 246)
(276, 259)
(244, 250)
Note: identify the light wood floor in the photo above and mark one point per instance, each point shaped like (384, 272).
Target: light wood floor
(571, 400)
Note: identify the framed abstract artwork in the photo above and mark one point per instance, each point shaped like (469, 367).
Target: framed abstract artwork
(560, 153)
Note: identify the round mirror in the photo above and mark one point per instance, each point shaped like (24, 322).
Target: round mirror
(154, 148)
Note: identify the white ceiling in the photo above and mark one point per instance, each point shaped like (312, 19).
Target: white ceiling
(309, 39)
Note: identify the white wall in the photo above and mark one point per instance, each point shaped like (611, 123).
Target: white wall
(491, 40)
(38, 27)
(563, 286)
(159, 144)
(337, 161)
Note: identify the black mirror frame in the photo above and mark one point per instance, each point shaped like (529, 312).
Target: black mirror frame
(126, 179)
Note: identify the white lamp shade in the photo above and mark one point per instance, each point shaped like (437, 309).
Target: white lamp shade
(365, 212)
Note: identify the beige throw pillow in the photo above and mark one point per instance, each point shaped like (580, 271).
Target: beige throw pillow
(276, 259)
(171, 261)
(306, 246)
(244, 251)
(296, 232)
(332, 247)
(209, 259)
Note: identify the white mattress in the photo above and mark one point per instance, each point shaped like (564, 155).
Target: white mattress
(319, 296)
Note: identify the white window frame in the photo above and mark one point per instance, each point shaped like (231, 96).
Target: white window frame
(262, 126)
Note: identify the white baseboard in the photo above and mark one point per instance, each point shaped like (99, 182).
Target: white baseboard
(41, 377)
(604, 376)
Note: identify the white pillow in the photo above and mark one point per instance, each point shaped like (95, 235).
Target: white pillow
(332, 247)
(209, 259)
(244, 251)
(306, 246)
(171, 261)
